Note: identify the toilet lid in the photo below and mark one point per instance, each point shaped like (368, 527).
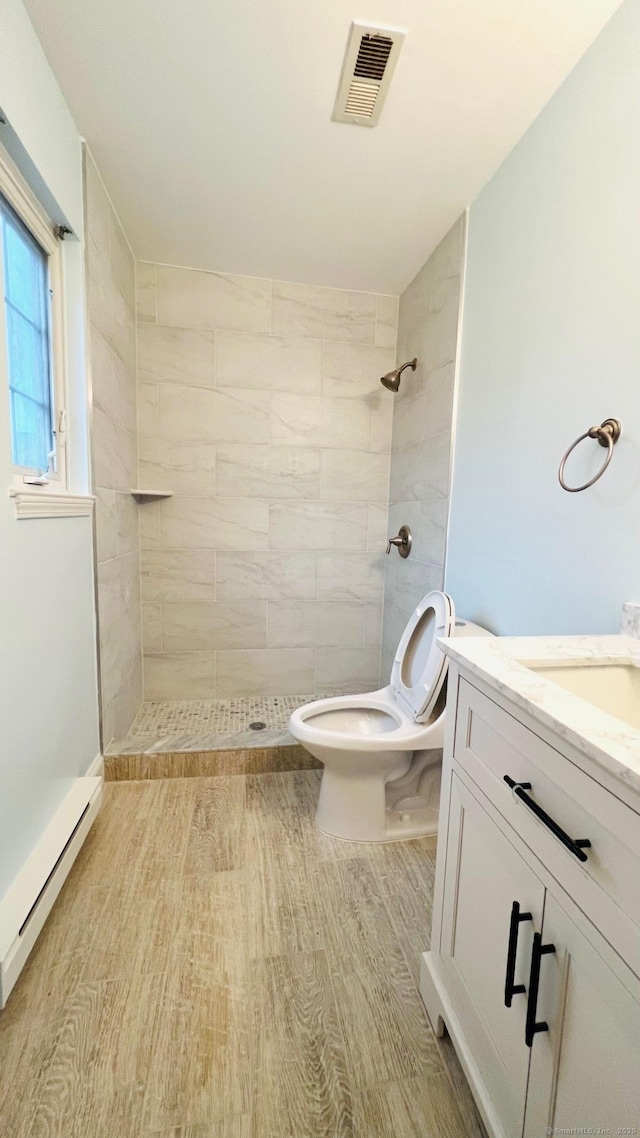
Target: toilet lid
(420, 666)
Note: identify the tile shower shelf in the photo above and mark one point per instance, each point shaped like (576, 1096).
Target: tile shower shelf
(150, 495)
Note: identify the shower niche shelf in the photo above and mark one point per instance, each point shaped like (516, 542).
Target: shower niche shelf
(150, 495)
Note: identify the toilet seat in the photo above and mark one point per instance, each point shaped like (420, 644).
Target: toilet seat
(394, 717)
(420, 666)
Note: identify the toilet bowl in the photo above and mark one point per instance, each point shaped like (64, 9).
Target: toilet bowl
(382, 750)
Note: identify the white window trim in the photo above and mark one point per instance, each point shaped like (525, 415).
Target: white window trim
(20, 197)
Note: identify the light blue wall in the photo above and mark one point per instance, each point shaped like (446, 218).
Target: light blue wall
(48, 685)
(551, 345)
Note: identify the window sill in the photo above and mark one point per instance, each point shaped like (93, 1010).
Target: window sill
(45, 504)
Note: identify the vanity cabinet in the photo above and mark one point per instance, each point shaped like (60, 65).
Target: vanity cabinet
(537, 986)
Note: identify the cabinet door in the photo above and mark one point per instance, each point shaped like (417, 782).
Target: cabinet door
(585, 1070)
(485, 875)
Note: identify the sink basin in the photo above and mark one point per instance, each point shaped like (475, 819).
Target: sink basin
(613, 687)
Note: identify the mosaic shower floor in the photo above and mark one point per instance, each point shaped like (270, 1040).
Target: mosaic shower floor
(209, 724)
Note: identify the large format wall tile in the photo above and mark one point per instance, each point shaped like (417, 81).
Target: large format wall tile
(214, 523)
(260, 408)
(350, 576)
(308, 420)
(354, 370)
(180, 675)
(185, 468)
(110, 277)
(198, 626)
(175, 355)
(341, 669)
(324, 313)
(312, 624)
(178, 575)
(272, 672)
(351, 476)
(199, 415)
(421, 440)
(269, 576)
(267, 471)
(190, 298)
(317, 525)
(268, 363)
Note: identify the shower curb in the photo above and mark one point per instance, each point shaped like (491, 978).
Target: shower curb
(202, 764)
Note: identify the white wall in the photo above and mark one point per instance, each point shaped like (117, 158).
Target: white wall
(551, 345)
(48, 698)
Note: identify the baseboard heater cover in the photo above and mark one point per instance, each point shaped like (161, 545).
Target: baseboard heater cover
(29, 900)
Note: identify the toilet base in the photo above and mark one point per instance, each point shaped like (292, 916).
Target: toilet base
(374, 810)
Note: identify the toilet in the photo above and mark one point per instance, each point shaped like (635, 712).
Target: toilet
(382, 750)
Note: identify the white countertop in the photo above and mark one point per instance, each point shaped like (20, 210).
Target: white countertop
(499, 661)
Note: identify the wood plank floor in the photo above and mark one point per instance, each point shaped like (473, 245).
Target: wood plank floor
(217, 968)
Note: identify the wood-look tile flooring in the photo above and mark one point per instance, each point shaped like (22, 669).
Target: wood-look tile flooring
(216, 968)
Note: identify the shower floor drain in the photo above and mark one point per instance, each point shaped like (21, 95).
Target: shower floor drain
(258, 726)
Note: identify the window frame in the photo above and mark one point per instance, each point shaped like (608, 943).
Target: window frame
(24, 203)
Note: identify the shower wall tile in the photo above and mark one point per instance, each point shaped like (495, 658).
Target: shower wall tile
(309, 420)
(175, 355)
(191, 298)
(110, 277)
(268, 363)
(421, 439)
(185, 468)
(353, 370)
(323, 313)
(314, 624)
(147, 411)
(178, 575)
(199, 415)
(422, 470)
(352, 476)
(145, 292)
(180, 675)
(273, 671)
(386, 321)
(267, 471)
(197, 626)
(350, 576)
(317, 525)
(152, 627)
(341, 670)
(267, 576)
(377, 528)
(260, 407)
(105, 515)
(214, 523)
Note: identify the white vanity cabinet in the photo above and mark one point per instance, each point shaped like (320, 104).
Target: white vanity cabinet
(534, 967)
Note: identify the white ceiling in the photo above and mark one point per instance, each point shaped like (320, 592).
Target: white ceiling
(211, 123)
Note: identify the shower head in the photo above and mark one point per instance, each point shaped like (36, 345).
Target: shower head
(392, 379)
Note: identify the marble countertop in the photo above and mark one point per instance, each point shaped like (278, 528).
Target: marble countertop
(501, 662)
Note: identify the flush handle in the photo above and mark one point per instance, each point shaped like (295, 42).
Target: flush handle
(402, 542)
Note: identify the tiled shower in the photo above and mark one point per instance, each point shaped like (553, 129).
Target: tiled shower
(260, 411)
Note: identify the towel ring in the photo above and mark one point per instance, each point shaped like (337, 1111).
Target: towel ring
(607, 435)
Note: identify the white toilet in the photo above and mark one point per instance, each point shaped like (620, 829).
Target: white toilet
(382, 750)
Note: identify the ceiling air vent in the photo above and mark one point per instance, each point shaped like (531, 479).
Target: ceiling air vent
(369, 64)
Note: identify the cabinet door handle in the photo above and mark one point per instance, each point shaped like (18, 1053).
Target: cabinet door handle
(532, 1026)
(575, 845)
(511, 989)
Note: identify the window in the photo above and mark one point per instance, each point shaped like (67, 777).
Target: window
(27, 324)
(31, 363)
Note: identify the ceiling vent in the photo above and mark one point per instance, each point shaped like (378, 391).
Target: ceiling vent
(369, 64)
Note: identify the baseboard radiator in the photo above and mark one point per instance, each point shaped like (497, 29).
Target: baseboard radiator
(29, 900)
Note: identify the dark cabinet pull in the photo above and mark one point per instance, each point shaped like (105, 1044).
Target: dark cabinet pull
(511, 989)
(532, 1027)
(574, 845)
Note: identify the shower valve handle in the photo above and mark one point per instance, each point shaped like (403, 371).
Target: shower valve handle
(402, 542)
